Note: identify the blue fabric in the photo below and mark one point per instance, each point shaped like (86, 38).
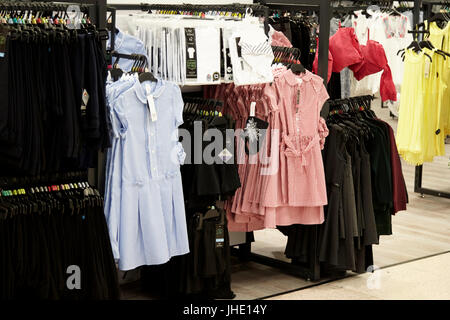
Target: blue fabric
(127, 44)
(150, 226)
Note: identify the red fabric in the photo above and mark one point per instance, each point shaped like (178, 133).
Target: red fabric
(399, 191)
(345, 48)
(315, 65)
(374, 60)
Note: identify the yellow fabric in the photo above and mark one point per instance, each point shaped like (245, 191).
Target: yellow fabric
(424, 115)
(440, 38)
(410, 120)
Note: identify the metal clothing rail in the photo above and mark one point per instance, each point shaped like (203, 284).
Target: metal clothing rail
(255, 9)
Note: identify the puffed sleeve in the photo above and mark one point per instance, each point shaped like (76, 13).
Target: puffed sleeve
(323, 95)
(120, 111)
(323, 132)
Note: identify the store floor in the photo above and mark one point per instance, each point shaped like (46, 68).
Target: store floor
(424, 279)
(422, 232)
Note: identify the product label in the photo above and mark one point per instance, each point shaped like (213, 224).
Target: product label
(225, 155)
(151, 104)
(191, 53)
(85, 97)
(252, 109)
(84, 102)
(220, 236)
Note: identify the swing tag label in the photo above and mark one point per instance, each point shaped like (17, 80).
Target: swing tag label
(220, 236)
(151, 104)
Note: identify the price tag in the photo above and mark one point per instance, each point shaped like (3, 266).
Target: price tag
(220, 236)
(252, 109)
(151, 104)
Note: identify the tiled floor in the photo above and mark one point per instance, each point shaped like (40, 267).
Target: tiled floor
(425, 279)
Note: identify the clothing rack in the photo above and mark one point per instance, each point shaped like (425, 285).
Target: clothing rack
(311, 271)
(96, 9)
(418, 174)
(255, 9)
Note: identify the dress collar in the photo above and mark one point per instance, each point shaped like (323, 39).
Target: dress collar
(156, 89)
(291, 78)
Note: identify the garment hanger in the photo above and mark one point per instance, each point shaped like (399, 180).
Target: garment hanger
(210, 214)
(146, 75)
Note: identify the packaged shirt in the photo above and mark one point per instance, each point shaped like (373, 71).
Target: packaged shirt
(251, 56)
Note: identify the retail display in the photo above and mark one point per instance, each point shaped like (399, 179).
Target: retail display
(291, 105)
(54, 114)
(195, 51)
(53, 122)
(426, 106)
(159, 145)
(147, 221)
(48, 232)
(360, 187)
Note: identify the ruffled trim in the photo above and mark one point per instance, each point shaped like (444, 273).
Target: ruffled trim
(323, 132)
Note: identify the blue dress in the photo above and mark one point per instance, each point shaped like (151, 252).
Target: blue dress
(151, 223)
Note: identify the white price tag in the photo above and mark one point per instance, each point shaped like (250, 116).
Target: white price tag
(252, 109)
(151, 103)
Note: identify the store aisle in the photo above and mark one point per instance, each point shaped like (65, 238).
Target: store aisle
(424, 279)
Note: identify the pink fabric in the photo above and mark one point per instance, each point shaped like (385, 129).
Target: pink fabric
(301, 177)
(280, 40)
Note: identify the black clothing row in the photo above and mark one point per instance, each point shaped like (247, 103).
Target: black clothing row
(205, 272)
(45, 231)
(206, 180)
(359, 173)
(301, 32)
(53, 111)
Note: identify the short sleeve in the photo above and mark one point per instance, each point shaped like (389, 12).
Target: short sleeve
(322, 96)
(178, 105)
(119, 109)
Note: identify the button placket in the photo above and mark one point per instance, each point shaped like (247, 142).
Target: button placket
(152, 147)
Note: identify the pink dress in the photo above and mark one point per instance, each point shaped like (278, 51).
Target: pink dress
(287, 186)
